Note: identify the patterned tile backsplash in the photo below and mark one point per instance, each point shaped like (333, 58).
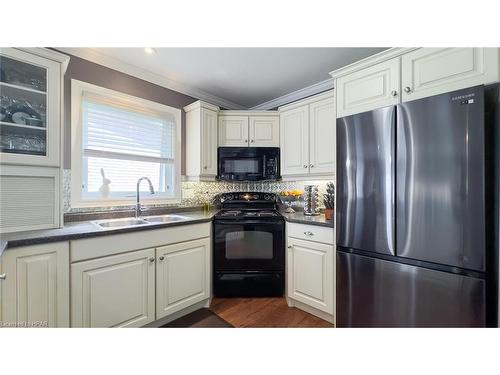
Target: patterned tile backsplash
(198, 193)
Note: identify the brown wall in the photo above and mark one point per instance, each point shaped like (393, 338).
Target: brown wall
(99, 75)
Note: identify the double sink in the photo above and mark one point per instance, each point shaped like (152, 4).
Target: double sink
(132, 222)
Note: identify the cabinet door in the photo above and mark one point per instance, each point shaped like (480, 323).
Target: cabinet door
(373, 87)
(31, 94)
(294, 141)
(114, 291)
(264, 131)
(233, 131)
(36, 286)
(433, 71)
(208, 142)
(322, 137)
(310, 273)
(182, 275)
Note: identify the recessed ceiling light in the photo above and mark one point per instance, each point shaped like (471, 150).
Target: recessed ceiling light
(149, 50)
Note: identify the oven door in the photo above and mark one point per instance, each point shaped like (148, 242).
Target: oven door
(249, 245)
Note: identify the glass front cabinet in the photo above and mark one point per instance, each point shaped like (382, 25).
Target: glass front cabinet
(30, 108)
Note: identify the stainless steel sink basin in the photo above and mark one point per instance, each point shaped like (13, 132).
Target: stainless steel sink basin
(165, 218)
(117, 223)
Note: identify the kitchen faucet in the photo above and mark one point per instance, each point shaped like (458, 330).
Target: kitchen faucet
(138, 210)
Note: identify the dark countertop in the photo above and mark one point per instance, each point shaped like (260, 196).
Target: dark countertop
(85, 229)
(300, 218)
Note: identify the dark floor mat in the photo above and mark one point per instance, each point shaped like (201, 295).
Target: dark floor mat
(203, 318)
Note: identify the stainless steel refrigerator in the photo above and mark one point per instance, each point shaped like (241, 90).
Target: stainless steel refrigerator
(415, 215)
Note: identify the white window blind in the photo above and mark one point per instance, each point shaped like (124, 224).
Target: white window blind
(124, 143)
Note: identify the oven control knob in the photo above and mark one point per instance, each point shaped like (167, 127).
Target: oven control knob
(230, 197)
(267, 197)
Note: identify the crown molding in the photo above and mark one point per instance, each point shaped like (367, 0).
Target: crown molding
(317, 88)
(91, 54)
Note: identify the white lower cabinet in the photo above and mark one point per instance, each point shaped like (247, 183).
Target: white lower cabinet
(310, 271)
(114, 291)
(35, 282)
(182, 275)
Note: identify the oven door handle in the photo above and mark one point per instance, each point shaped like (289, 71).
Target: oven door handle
(240, 222)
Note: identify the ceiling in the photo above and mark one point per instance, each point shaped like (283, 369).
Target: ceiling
(234, 78)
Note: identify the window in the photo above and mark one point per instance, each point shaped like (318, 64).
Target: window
(116, 139)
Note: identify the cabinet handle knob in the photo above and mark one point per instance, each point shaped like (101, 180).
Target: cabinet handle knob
(246, 140)
(305, 166)
(290, 246)
(162, 257)
(252, 141)
(205, 167)
(394, 93)
(407, 89)
(312, 165)
(309, 233)
(151, 259)
(3, 276)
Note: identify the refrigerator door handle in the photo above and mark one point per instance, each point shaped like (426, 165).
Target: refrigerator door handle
(403, 168)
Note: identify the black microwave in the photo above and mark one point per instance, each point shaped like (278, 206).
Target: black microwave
(248, 163)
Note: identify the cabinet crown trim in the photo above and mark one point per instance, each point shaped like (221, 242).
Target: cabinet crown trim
(200, 104)
(248, 113)
(309, 100)
(372, 60)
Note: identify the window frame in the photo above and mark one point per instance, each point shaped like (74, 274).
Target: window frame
(78, 88)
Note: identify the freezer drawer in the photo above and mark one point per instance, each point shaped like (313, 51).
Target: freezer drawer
(379, 293)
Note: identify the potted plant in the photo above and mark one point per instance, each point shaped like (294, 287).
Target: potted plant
(329, 200)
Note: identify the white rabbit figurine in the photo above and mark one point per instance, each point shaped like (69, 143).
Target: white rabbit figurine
(104, 189)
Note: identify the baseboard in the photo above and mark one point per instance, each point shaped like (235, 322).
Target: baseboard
(178, 314)
(311, 310)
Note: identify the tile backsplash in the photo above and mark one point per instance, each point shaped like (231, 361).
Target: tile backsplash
(198, 193)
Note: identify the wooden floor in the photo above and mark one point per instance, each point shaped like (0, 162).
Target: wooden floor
(264, 313)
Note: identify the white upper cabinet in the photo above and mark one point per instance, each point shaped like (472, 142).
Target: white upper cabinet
(114, 291)
(433, 71)
(248, 128)
(307, 137)
(370, 88)
(233, 131)
(30, 106)
(322, 137)
(294, 139)
(182, 276)
(264, 131)
(35, 286)
(201, 141)
(209, 142)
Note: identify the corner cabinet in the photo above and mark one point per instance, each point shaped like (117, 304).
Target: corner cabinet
(307, 137)
(249, 129)
(35, 286)
(201, 141)
(310, 269)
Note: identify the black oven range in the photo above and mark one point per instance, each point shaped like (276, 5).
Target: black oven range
(249, 246)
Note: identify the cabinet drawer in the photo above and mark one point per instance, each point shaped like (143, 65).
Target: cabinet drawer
(310, 232)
